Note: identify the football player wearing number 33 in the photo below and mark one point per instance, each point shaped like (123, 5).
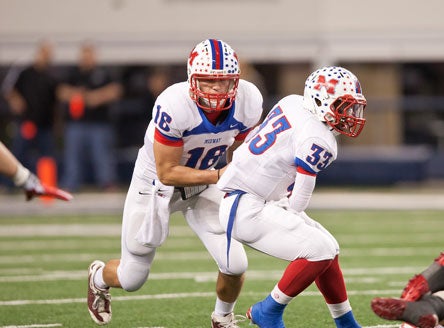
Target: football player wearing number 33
(269, 184)
(194, 124)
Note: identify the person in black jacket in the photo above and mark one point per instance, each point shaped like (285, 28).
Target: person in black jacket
(87, 95)
(32, 101)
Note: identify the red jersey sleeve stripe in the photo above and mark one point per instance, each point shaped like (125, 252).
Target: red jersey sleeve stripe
(301, 170)
(166, 140)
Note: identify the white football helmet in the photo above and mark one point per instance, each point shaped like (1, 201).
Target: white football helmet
(335, 96)
(213, 60)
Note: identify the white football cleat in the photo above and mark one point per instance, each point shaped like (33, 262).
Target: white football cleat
(227, 321)
(99, 300)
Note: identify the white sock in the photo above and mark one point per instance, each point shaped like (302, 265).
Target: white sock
(337, 310)
(279, 296)
(98, 279)
(223, 308)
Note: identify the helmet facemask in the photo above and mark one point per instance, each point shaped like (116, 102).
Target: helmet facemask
(213, 101)
(346, 115)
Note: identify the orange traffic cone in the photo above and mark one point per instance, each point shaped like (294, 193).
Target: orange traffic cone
(47, 173)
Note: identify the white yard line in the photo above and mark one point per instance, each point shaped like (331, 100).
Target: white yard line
(36, 325)
(175, 296)
(382, 326)
(362, 275)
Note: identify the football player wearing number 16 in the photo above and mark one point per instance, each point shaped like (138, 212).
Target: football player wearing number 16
(194, 123)
(269, 184)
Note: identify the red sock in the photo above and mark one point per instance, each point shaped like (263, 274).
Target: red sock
(331, 284)
(299, 275)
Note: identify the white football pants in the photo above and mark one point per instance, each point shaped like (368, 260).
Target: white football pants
(200, 211)
(274, 229)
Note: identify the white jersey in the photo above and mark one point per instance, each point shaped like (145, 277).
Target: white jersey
(290, 139)
(179, 122)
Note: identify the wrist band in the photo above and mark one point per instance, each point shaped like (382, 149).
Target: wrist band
(20, 176)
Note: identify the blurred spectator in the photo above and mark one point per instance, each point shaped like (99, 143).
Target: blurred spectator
(32, 101)
(87, 95)
(141, 87)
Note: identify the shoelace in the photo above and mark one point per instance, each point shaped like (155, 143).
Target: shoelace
(233, 323)
(237, 319)
(240, 318)
(100, 300)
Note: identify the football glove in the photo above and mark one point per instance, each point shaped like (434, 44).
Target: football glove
(33, 187)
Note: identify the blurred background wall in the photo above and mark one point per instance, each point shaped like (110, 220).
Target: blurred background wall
(396, 48)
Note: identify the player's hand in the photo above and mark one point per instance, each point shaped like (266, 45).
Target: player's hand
(33, 187)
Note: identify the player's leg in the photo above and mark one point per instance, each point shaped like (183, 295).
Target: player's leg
(426, 312)
(430, 280)
(130, 271)
(272, 229)
(332, 285)
(298, 275)
(202, 215)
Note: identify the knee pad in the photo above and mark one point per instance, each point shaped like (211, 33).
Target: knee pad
(237, 260)
(136, 248)
(133, 275)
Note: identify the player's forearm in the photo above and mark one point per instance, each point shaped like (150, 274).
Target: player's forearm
(8, 163)
(302, 191)
(181, 176)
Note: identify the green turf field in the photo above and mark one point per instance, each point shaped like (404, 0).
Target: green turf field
(43, 276)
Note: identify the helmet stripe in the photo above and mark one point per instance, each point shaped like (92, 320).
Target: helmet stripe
(217, 54)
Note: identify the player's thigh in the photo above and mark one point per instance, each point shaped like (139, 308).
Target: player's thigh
(202, 215)
(202, 212)
(276, 231)
(138, 204)
(136, 259)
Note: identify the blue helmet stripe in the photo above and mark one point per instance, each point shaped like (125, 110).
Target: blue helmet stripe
(217, 54)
